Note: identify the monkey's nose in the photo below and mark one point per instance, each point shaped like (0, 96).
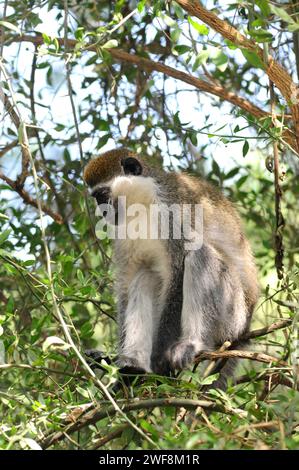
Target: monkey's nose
(102, 195)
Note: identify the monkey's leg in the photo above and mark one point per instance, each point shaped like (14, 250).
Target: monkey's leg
(213, 306)
(169, 327)
(136, 323)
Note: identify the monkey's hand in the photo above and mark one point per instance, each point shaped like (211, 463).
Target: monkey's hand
(182, 354)
(94, 358)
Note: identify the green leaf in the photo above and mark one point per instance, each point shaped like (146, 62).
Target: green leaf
(46, 38)
(261, 35)
(4, 235)
(168, 20)
(282, 13)
(79, 33)
(42, 65)
(80, 276)
(193, 138)
(200, 28)
(245, 148)
(264, 7)
(56, 343)
(216, 169)
(56, 44)
(178, 11)
(210, 379)
(182, 49)
(29, 262)
(175, 34)
(220, 60)
(141, 5)
(150, 429)
(292, 27)
(232, 173)
(86, 330)
(110, 44)
(201, 58)
(102, 125)
(83, 392)
(11, 26)
(253, 59)
(103, 140)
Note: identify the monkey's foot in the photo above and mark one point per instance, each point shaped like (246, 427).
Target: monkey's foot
(182, 354)
(94, 357)
(129, 366)
(130, 372)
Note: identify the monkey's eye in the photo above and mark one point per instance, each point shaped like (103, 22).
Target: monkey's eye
(102, 195)
(131, 166)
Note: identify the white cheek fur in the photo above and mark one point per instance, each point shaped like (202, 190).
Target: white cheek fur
(137, 189)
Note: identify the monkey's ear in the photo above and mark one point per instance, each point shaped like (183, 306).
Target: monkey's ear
(131, 166)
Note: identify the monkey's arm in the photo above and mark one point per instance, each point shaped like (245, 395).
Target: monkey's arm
(136, 323)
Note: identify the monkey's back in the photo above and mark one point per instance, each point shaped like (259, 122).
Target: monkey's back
(222, 228)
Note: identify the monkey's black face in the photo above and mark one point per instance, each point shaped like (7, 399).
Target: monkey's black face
(108, 207)
(102, 195)
(109, 204)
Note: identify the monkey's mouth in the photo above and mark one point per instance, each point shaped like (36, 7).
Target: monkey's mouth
(108, 207)
(102, 195)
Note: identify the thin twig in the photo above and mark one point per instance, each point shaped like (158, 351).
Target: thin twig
(252, 355)
(278, 194)
(99, 413)
(100, 442)
(29, 200)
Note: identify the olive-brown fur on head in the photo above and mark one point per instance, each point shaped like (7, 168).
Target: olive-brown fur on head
(104, 167)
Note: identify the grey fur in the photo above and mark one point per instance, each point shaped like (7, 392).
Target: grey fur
(173, 303)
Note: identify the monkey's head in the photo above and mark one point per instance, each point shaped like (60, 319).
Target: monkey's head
(110, 164)
(119, 173)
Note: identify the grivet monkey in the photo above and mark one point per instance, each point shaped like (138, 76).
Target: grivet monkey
(174, 302)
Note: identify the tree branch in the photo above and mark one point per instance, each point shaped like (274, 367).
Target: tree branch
(98, 413)
(252, 355)
(202, 85)
(278, 325)
(151, 65)
(16, 186)
(8, 147)
(12, 109)
(277, 74)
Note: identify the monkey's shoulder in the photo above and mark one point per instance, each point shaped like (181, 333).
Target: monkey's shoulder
(197, 189)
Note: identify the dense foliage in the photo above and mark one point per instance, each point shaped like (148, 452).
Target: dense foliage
(79, 78)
